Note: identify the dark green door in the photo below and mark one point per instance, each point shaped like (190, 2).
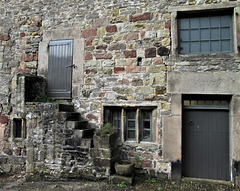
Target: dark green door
(205, 143)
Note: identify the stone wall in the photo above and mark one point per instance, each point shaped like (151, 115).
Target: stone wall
(128, 58)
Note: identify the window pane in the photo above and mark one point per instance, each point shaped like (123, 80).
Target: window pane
(204, 22)
(194, 35)
(184, 35)
(194, 23)
(214, 46)
(131, 134)
(205, 34)
(146, 136)
(184, 23)
(131, 124)
(225, 20)
(225, 33)
(215, 34)
(131, 114)
(184, 49)
(214, 21)
(146, 114)
(205, 48)
(226, 46)
(146, 125)
(195, 48)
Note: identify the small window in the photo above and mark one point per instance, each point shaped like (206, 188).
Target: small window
(204, 33)
(132, 124)
(19, 128)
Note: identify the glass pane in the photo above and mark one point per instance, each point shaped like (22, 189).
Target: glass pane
(194, 23)
(131, 134)
(184, 49)
(146, 125)
(131, 124)
(184, 35)
(214, 21)
(216, 102)
(204, 22)
(209, 102)
(201, 102)
(215, 34)
(194, 35)
(186, 102)
(193, 102)
(226, 46)
(205, 48)
(194, 47)
(205, 34)
(214, 46)
(184, 24)
(146, 135)
(225, 33)
(146, 114)
(131, 114)
(225, 20)
(223, 102)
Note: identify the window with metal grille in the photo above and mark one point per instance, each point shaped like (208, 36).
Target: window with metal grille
(203, 33)
(132, 124)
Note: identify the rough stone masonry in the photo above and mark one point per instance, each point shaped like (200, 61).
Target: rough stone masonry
(126, 56)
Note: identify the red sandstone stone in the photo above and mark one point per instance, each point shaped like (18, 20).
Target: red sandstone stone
(25, 71)
(142, 34)
(130, 53)
(124, 81)
(88, 42)
(118, 70)
(88, 56)
(35, 57)
(27, 57)
(131, 36)
(103, 56)
(143, 17)
(150, 53)
(4, 37)
(92, 117)
(22, 34)
(89, 33)
(147, 155)
(147, 164)
(135, 69)
(101, 94)
(167, 25)
(158, 61)
(4, 119)
(111, 29)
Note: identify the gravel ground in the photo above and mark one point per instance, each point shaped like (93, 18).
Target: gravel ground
(141, 184)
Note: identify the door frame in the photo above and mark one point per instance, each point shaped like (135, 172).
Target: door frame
(78, 55)
(227, 98)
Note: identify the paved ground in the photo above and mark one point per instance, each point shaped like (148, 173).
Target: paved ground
(14, 184)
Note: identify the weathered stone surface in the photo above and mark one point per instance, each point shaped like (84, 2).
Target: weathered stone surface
(117, 46)
(150, 53)
(131, 36)
(116, 179)
(103, 56)
(89, 32)
(143, 17)
(111, 29)
(130, 53)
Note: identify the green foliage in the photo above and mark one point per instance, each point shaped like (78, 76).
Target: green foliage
(121, 185)
(150, 180)
(159, 188)
(105, 130)
(138, 162)
(43, 98)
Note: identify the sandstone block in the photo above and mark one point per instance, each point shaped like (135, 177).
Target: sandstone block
(117, 46)
(135, 69)
(150, 53)
(89, 32)
(118, 70)
(103, 56)
(131, 36)
(117, 179)
(88, 56)
(130, 53)
(142, 17)
(111, 29)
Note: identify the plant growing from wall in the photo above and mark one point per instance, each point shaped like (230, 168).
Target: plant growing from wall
(138, 161)
(105, 130)
(43, 98)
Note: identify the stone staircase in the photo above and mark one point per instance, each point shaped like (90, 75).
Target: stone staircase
(78, 140)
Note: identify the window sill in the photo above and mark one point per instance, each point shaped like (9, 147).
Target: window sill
(197, 57)
(143, 144)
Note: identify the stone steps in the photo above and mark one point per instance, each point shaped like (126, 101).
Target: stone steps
(77, 124)
(66, 107)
